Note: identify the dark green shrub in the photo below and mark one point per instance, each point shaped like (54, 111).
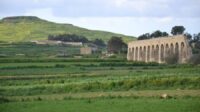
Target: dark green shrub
(3, 100)
(82, 68)
(88, 101)
(62, 81)
(172, 58)
(48, 81)
(111, 68)
(60, 66)
(67, 98)
(39, 99)
(195, 59)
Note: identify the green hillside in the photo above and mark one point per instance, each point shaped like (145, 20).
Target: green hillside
(27, 28)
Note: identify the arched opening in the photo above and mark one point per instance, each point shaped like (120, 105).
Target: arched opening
(177, 49)
(183, 53)
(140, 54)
(171, 49)
(148, 54)
(136, 54)
(167, 51)
(153, 53)
(133, 52)
(162, 53)
(157, 54)
(144, 54)
(129, 53)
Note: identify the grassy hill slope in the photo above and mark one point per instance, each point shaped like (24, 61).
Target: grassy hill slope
(27, 28)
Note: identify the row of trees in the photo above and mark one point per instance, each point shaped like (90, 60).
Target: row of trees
(116, 44)
(195, 43)
(68, 38)
(75, 38)
(176, 30)
(155, 34)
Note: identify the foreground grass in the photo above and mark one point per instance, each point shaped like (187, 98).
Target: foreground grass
(106, 105)
(175, 94)
(96, 85)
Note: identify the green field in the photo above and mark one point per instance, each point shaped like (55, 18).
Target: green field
(34, 50)
(106, 105)
(100, 85)
(57, 78)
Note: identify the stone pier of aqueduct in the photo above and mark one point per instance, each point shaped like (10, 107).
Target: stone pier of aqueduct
(157, 49)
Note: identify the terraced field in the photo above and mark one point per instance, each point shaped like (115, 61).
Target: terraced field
(98, 85)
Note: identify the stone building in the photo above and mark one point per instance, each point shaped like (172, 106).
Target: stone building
(157, 49)
(86, 50)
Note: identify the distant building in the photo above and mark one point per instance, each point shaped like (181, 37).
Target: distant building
(73, 43)
(49, 42)
(86, 50)
(44, 42)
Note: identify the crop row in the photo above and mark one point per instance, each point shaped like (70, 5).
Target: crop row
(116, 85)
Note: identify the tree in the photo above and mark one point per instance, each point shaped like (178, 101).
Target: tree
(144, 36)
(68, 38)
(195, 43)
(197, 37)
(155, 34)
(172, 58)
(99, 42)
(116, 45)
(158, 33)
(177, 30)
(195, 59)
(189, 36)
(165, 34)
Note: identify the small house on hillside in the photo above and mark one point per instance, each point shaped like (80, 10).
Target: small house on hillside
(50, 42)
(89, 49)
(86, 50)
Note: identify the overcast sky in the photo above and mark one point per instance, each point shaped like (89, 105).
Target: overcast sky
(131, 17)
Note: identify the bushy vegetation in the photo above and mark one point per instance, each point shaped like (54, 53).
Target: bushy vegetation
(116, 45)
(140, 83)
(68, 38)
(155, 34)
(195, 59)
(172, 58)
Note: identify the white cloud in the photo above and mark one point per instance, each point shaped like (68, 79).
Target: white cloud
(36, 1)
(126, 25)
(43, 12)
(119, 3)
(165, 20)
(141, 5)
(132, 17)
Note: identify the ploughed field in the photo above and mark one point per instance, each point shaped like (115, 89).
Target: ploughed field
(97, 85)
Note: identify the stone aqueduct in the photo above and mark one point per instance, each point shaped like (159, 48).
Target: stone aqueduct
(157, 49)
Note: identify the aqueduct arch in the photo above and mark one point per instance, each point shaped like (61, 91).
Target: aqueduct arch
(157, 49)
